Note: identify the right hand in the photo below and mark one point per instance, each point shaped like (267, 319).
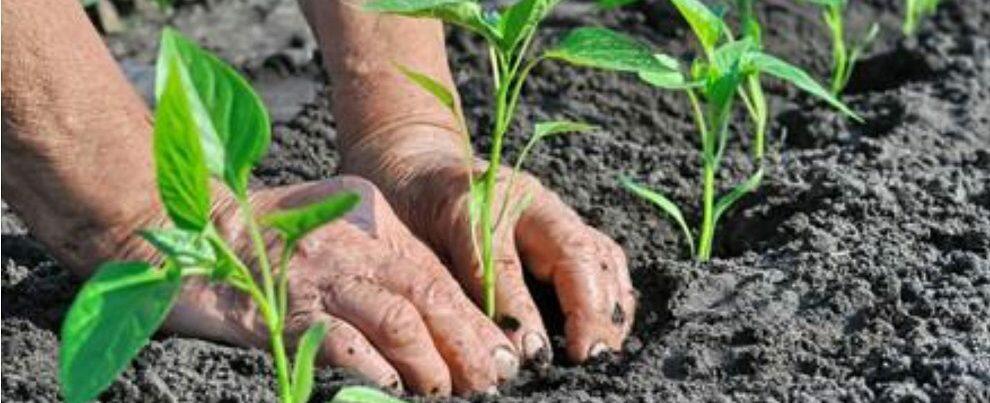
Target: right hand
(394, 313)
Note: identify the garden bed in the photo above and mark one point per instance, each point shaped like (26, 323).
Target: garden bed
(859, 271)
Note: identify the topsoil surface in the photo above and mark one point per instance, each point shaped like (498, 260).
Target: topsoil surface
(860, 270)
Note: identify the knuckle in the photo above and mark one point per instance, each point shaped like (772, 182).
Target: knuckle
(399, 324)
(438, 290)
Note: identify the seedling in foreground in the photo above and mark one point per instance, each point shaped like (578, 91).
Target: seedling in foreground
(915, 11)
(844, 57)
(209, 122)
(712, 85)
(509, 33)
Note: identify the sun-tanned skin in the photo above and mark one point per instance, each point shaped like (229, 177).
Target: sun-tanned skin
(77, 168)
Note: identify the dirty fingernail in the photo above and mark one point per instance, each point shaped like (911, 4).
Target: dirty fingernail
(506, 363)
(535, 349)
(492, 391)
(597, 349)
(392, 382)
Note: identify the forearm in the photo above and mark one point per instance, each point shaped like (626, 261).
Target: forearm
(395, 133)
(76, 145)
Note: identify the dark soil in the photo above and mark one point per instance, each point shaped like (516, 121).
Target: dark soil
(860, 271)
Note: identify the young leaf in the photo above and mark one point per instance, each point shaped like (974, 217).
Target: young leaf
(296, 223)
(112, 317)
(749, 185)
(672, 79)
(546, 129)
(434, 87)
(302, 372)
(466, 13)
(230, 118)
(664, 204)
(183, 181)
(363, 394)
(521, 19)
(707, 26)
(186, 248)
(606, 49)
(785, 71)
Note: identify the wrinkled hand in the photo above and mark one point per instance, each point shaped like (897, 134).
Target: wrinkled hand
(394, 313)
(429, 191)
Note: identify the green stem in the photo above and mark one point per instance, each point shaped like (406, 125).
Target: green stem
(833, 17)
(273, 317)
(708, 219)
(488, 194)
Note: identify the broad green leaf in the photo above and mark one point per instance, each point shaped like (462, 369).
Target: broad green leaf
(730, 55)
(521, 19)
(664, 204)
(363, 394)
(749, 185)
(302, 371)
(232, 122)
(180, 169)
(672, 79)
(788, 72)
(434, 87)
(295, 223)
(186, 248)
(546, 129)
(466, 13)
(606, 49)
(111, 319)
(707, 26)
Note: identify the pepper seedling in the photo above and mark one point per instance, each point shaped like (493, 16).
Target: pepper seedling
(915, 11)
(208, 123)
(509, 34)
(844, 57)
(728, 68)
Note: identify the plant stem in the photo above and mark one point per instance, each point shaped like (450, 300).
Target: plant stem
(833, 17)
(708, 206)
(488, 194)
(272, 315)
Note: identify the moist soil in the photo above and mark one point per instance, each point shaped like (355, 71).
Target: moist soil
(859, 271)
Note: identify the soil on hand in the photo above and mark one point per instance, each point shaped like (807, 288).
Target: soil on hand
(860, 270)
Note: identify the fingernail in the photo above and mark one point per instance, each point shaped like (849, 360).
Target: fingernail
(392, 382)
(506, 363)
(596, 350)
(491, 391)
(535, 349)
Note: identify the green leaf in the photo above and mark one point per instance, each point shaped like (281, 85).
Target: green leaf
(730, 55)
(664, 204)
(183, 180)
(231, 120)
(302, 371)
(707, 26)
(363, 394)
(606, 49)
(749, 185)
(295, 223)
(434, 87)
(672, 79)
(225, 264)
(613, 4)
(521, 19)
(111, 319)
(466, 13)
(785, 71)
(186, 248)
(547, 129)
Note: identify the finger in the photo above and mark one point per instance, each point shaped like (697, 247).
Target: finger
(393, 325)
(516, 313)
(345, 347)
(588, 271)
(478, 355)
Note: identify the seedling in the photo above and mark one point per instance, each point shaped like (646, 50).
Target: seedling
(509, 34)
(844, 57)
(729, 68)
(915, 11)
(209, 122)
